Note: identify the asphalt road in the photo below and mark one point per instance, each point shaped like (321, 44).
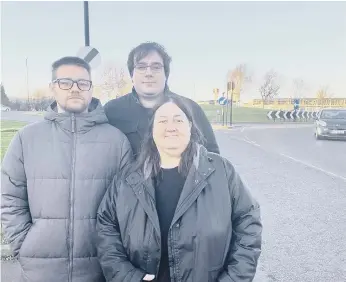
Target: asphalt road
(21, 116)
(301, 186)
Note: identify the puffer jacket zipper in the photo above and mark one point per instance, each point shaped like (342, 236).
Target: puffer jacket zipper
(72, 188)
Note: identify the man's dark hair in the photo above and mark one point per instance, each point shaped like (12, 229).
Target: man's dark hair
(149, 161)
(143, 50)
(74, 61)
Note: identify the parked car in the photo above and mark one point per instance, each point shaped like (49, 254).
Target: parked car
(331, 124)
(5, 108)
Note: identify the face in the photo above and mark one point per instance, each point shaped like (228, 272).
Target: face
(171, 130)
(149, 77)
(70, 96)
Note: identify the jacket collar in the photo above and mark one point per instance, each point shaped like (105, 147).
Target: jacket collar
(134, 94)
(195, 183)
(200, 170)
(84, 122)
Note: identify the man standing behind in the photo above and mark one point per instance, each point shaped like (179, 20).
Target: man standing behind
(149, 67)
(54, 175)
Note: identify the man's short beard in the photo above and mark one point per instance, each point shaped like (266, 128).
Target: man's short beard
(72, 111)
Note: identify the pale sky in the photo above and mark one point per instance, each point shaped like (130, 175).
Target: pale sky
(304, 40)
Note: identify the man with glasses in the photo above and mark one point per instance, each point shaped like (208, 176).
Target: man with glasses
(149, 67)
(54, 175)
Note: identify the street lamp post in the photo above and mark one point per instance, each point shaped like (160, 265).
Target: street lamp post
(27, 80)
(86, 23)
(230, 87)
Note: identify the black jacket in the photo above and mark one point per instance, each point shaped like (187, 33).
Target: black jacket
(127, 114)
(215, 233)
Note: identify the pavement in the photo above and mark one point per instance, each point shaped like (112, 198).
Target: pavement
(300, 184)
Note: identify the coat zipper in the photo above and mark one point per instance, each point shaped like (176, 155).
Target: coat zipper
(159, 263)
(72, 188)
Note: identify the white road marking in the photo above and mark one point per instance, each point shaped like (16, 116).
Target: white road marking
(247, 140)
(315, 167)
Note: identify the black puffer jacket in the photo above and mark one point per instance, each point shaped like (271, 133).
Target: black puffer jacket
(127, 114)
(53, 178)
(215, 234)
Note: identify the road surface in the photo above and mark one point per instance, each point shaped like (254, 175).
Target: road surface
(301, 186)
(22, 116)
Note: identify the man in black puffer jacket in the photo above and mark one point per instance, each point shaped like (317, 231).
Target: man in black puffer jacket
(149, 67)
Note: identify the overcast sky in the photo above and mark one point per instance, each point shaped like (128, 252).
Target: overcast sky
(298, 39)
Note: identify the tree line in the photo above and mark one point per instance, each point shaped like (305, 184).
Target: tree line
(16, 104)
(270, 86)
(113, 83)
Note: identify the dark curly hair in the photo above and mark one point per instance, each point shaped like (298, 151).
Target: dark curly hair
(143, 50)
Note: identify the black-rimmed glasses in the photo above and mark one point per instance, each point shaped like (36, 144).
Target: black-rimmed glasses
(67, 83)
(155, 68)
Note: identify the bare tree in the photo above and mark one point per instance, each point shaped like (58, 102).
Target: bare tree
(270, 87)
(240, 75)
(298, 87)
(111, 81)
(41, 93)
(323, 93)
(114, 83)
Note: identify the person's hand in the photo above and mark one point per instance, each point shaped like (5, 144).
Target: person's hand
(149, 277)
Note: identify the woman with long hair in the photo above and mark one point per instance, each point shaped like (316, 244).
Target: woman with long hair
(180, 213)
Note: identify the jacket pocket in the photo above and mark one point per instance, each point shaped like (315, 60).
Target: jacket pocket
(214, 274)
(22, 247)
(215, 246)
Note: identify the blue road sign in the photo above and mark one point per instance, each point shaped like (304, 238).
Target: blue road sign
(222, 101)
(296, 104)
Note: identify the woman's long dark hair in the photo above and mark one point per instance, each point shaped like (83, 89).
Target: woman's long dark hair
(149, 161)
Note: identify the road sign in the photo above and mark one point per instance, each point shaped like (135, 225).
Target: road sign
(273, 114)
(222, 101)
(269, 115)
(90, 55)
(291, 115)
(296, 104)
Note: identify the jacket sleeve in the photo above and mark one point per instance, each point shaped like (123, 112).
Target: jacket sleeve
(107, 110)
(110, 249)
(126, 158)
(15, 214)
(204, 126)
(245, 247)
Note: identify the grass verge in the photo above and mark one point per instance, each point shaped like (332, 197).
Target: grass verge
(8, 130)
(239, 114)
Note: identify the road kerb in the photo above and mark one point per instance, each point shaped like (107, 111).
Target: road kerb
(220, 127)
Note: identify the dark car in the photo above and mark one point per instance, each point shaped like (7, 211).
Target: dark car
(331, 124)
